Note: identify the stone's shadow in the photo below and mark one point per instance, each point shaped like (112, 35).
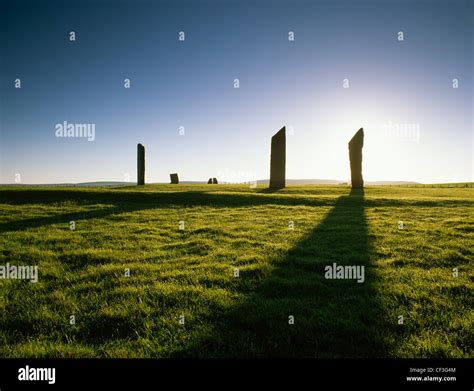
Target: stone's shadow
(132, 201)
(269, 190)
(124, 202)
(196, 198)
(65, 218)
(332, 317)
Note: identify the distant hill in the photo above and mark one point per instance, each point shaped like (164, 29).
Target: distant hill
(377, 183)
(259, 182)
(335, 182)
(81, 184)
(304, 182)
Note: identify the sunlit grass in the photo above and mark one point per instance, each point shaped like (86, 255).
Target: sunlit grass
(190, 272)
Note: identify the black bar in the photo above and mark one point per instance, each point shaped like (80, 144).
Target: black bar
(315, 374)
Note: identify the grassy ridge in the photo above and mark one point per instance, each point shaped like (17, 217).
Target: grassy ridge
(191, 272)
(444, 185)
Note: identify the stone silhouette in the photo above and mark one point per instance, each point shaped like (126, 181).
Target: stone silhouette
(355, 157)
(140, 164)
(174, 178)
(209, 182)
(278, 159)
(214, 181)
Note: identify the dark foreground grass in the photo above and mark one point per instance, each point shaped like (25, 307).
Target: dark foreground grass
(191, 272)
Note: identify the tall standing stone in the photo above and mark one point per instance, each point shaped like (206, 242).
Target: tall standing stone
(214, 181)
(278, 159)
(209, 182)
(355, 157)
(140, 164)
(174, 179)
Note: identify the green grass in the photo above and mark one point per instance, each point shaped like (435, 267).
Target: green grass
(190, 272)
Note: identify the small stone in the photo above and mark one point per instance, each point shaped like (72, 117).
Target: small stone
(174, 178)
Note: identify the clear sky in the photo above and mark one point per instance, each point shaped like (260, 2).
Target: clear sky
(393, 85)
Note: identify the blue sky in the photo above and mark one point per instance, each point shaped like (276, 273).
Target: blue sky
(227, 131)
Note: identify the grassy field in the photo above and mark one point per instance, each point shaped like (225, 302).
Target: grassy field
(191, 272)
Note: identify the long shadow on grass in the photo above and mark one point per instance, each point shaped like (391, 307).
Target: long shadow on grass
(65, 218)
(124, 202)
(131, 201)
(332, 318)
(198, 198)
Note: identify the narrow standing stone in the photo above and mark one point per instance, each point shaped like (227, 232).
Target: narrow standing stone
(140, 164)
(278, 159)
(214, 181)
(209, 182)
(355, 157)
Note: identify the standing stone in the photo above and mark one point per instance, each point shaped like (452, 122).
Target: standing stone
(355, 157)
(174, 178)
(140, 164)
(278, 159)
(214, 181)
(209, 182)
